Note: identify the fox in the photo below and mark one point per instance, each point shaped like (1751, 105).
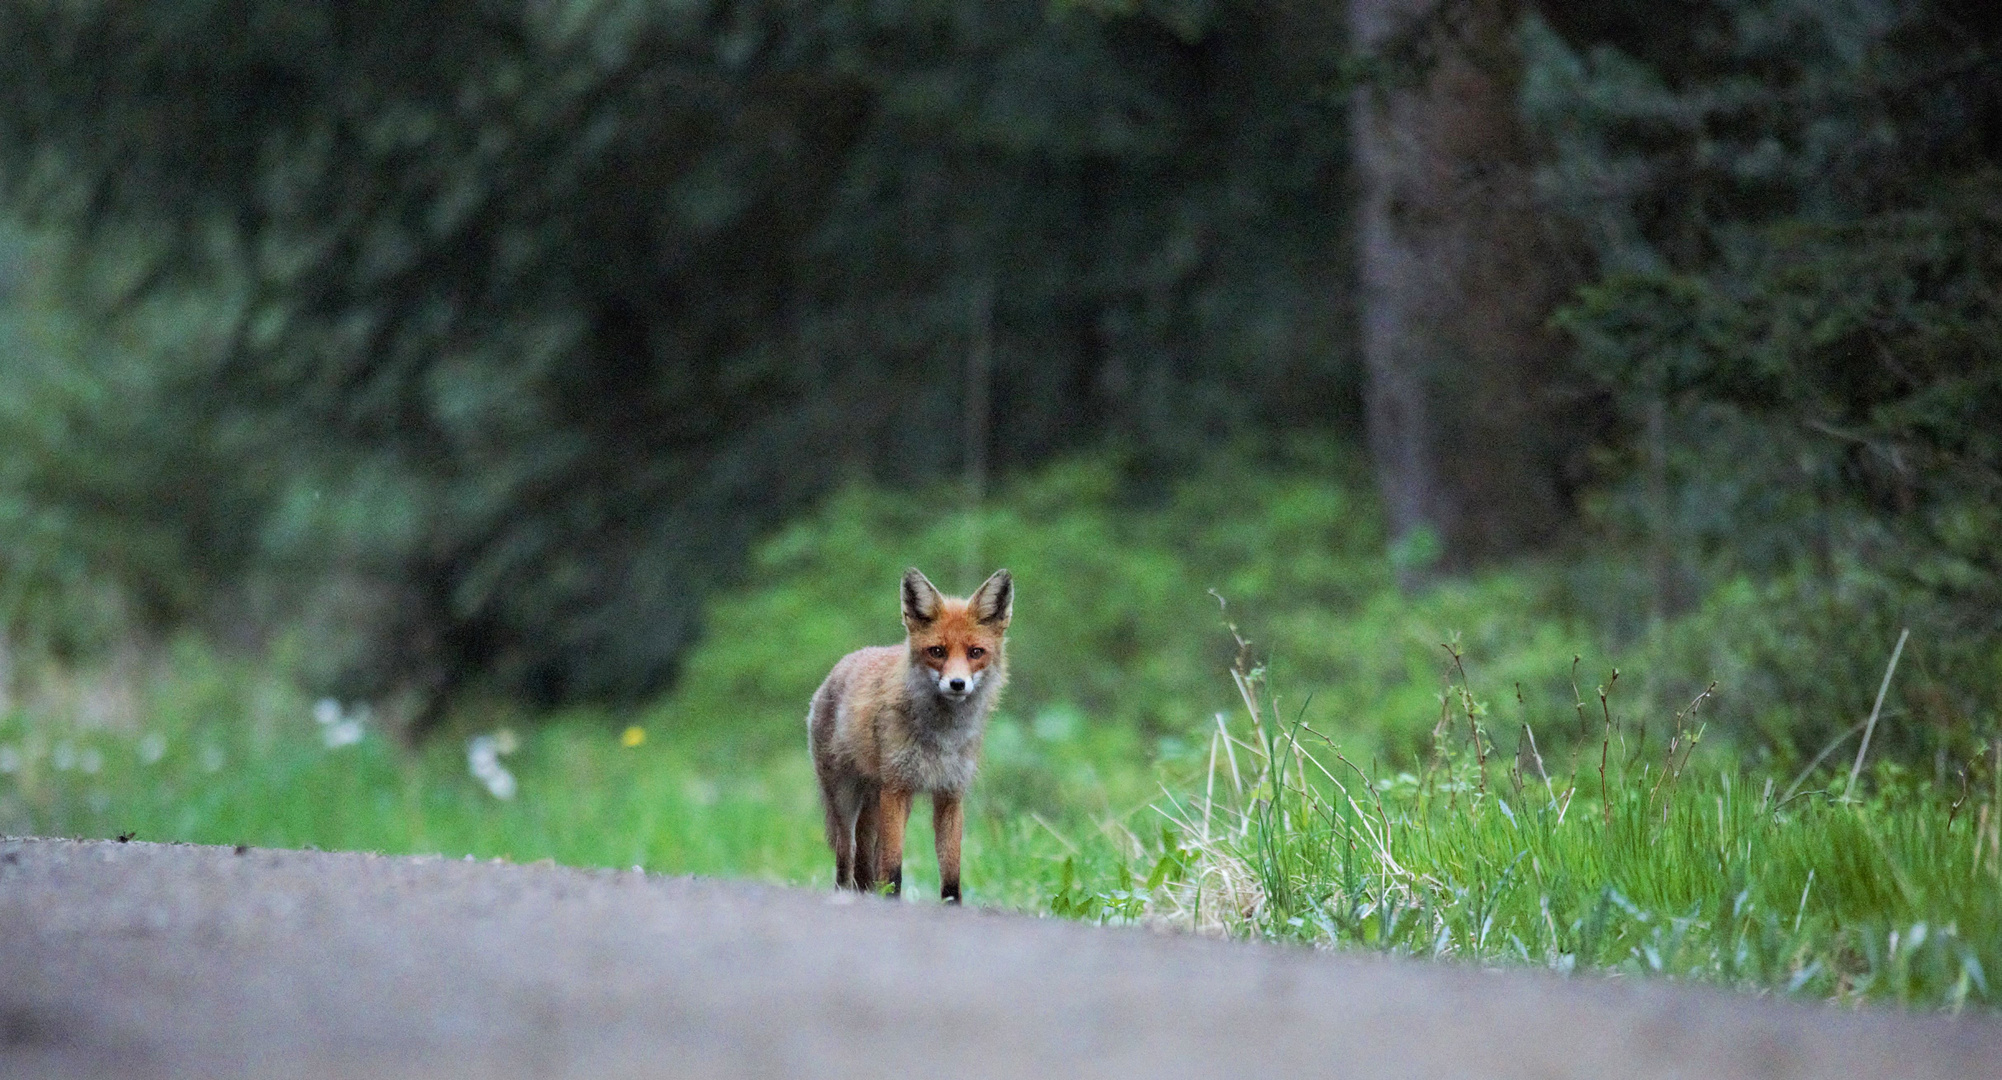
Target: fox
(893, 721)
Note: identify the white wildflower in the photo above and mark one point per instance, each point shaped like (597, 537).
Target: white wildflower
(483, 756)
(344, 733)
(152, 748)
(338, 726)
(10, 759)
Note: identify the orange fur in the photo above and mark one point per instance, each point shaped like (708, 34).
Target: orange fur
(893, 721)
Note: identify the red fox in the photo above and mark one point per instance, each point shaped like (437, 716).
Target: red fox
(895, 720)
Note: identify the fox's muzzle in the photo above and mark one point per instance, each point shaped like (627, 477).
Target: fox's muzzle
(956, 685)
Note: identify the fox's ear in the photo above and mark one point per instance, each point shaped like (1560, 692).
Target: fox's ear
(994, 602)
(921, 599)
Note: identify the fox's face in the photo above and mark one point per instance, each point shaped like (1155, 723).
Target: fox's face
(957, 641)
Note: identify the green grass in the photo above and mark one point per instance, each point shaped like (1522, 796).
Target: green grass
(1268, 831)
(228, 754)
(1695, 873)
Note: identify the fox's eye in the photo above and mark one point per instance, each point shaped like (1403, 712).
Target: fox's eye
(937, 652)
(975, 652)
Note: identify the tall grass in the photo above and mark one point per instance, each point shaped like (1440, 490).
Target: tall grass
(1624, 859)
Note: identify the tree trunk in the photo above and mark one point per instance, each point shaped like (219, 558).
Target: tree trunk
(1458, 278)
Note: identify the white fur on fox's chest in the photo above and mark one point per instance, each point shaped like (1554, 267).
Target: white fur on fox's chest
(939, 760)
(941, 744)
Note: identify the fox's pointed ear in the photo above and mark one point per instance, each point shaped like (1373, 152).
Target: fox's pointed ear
(921, 599)
(994, 602)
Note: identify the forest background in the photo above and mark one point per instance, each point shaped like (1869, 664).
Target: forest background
(474, 366)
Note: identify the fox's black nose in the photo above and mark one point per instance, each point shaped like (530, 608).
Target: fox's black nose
(958, 685)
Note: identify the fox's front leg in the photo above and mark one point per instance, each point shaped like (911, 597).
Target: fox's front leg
(947, 818)
(864, 861)
(894, 805)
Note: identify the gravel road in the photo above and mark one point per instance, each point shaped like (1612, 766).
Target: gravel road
(150, 960)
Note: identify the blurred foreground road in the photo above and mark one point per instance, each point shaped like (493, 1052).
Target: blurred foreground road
(166, 960)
